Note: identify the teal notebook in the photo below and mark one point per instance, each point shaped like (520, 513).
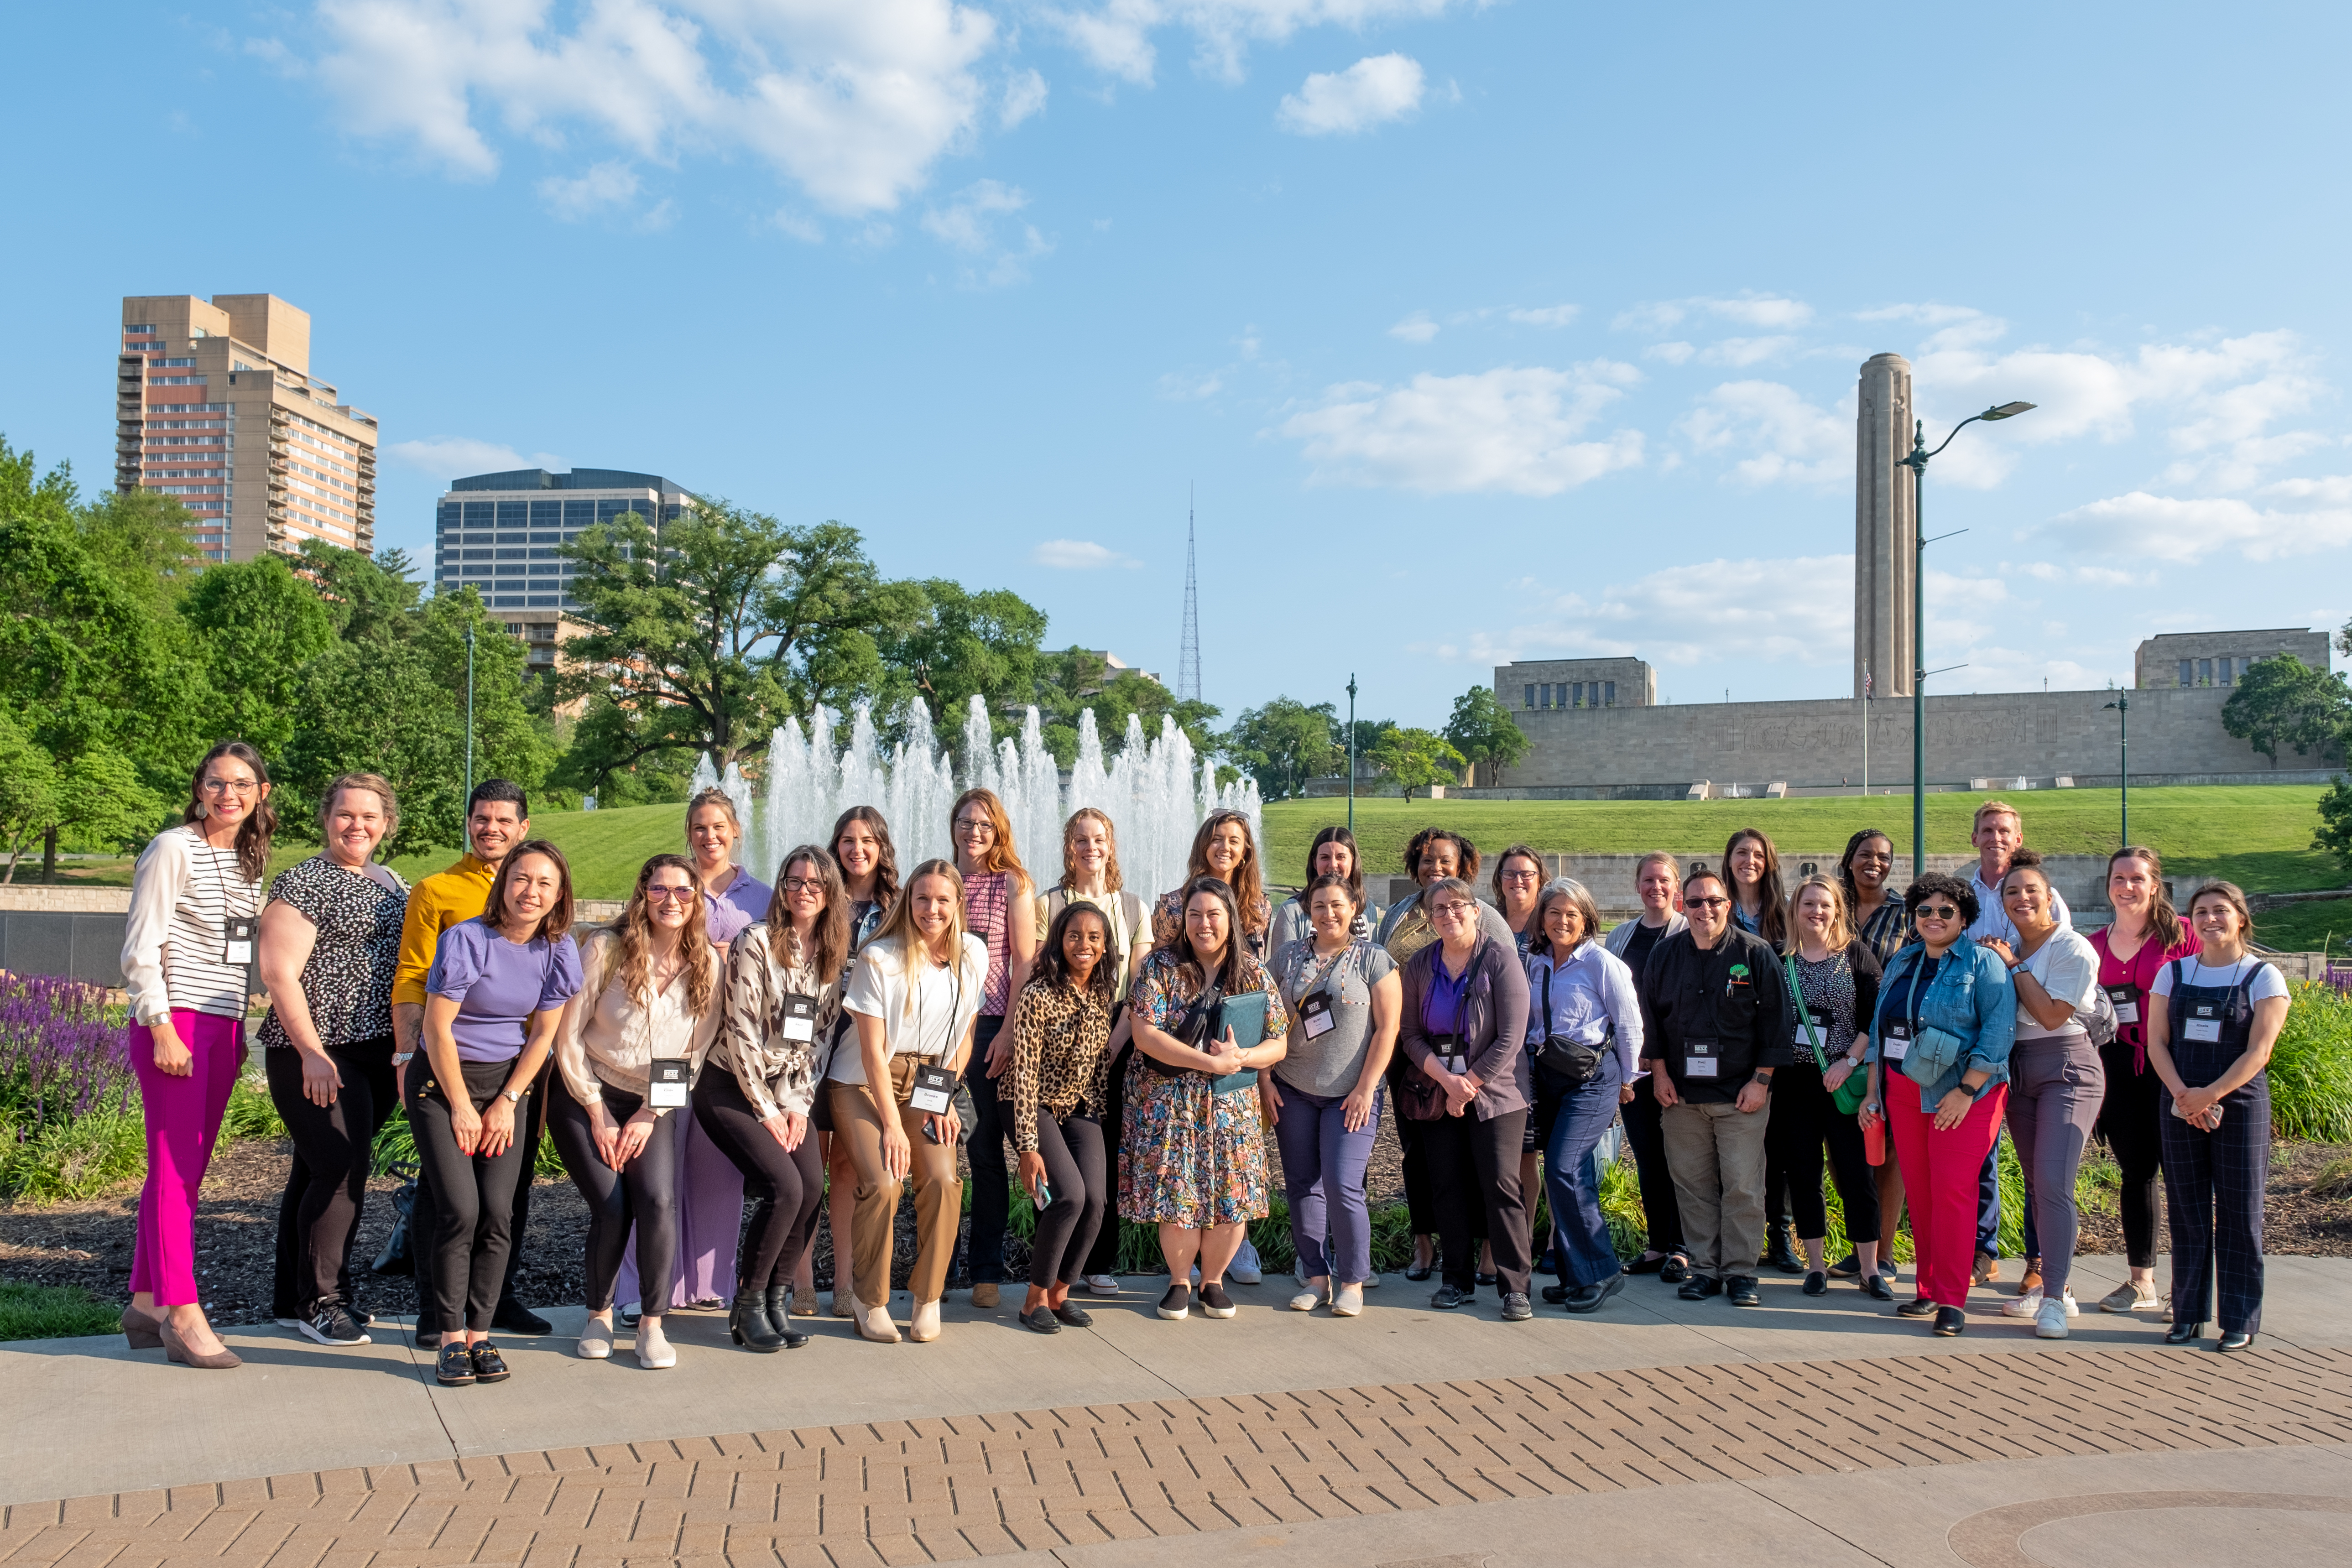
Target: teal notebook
(1244, 1014)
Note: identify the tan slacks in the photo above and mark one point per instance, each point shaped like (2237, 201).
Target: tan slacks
(938, 1191)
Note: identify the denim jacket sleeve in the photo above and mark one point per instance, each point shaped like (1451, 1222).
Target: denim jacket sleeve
(1995, 995)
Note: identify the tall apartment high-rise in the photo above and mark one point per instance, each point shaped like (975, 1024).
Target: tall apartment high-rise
(216, 406)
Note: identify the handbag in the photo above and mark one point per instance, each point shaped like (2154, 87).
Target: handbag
(399, 1254)
(1569, 1064)
(1849, 1094)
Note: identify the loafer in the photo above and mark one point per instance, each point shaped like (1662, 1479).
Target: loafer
(1646, 1265)
(1817, 1283)
(456, 1367)
(1177, 1305)
(2184, 1333)
(983, 1293)
(2131, 1296)
(1516, 1307)
(1674, 1268)
(1699, 1287)
(1347, 1301)
(513, 1318)
(1878, 1288)
(1846, 1268)
(1040, 1320)
(596, 1340)
(1917, 1306)
(1214, 1302)
(654, 1352)
(1949, 1322)
(1418, 1272)
(1743, 1291)
(1449, 1297)
(490, 1367)
(2235, 1340)
(1588, 1298)
(1554, 1295)
(1073, 1316)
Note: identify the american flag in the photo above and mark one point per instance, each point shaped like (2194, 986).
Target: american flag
(1866, 683)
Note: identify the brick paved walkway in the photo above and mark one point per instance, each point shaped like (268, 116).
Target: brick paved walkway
(948, 1489)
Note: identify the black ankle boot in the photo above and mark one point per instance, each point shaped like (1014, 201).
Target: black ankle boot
(780, 1318)
(1782, 1252)
(747, 1325)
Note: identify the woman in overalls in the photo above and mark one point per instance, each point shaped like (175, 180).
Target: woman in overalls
(2212, 1020)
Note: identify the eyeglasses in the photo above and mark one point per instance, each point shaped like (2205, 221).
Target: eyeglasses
(1522, 876)
(1937, 912)
(974, 824)
(1716, 904)
(1449, 911)
(230, 786)
(803, 885)
(674, 895)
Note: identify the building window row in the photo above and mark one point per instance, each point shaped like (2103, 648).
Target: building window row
(2212, 671)
(1572, 694)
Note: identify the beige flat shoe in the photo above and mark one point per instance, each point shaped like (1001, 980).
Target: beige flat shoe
(1349, 1301)
(874, 1323)
(845, 1304)
(926, 1326)
(596, 1340)
(654, 1352)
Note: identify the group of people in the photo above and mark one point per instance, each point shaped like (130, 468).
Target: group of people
(849, 1027)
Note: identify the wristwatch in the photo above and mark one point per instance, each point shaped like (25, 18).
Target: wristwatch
(513, 1096)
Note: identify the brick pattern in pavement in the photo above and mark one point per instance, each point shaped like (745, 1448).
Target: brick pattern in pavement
(953, 1488)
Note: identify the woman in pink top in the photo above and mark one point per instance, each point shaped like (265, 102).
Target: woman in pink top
(2145, 936)
(1000, 907)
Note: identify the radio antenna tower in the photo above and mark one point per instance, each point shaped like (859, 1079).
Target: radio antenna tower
(1188, 662)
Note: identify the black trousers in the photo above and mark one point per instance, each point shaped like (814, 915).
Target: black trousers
(2128, 1122)
(992, 1183)
(1804, 1118)
(471, 1238)
(531, 1119)
(790, 1186)
(1072, 1147)
(325, 1180)
(1474, 1167)
(1648, 1141)
(1102, 1258)
(643, 1192)
(2214, 1185)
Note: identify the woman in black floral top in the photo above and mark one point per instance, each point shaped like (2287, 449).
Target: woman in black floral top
(1061, 1059)
(330, 943)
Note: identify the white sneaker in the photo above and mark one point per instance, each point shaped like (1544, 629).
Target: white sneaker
(2025, 1306)
(2050, 1324)
(1305, 1301)
(1101, 1284)
(1245, 1269)
(1371, 1281)
(654, 1351)
(2072, 1309)
(1347, 1301)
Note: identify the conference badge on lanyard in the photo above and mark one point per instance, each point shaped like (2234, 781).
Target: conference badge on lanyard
(934, 1087)
(798, 1022)
(666, 1091)
(2127, 1000)
(2203, 1023)
(237, 944)
(1701, 1058)
(1315, 1015)
(1897, 1043)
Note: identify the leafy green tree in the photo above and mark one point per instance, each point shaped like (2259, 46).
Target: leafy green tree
(141, 539)
(2335, 833)
(102, 800)
(704, 641)
(1483, 731)
(1285, 743)
(1414, 758)
(367, 598)
(2283, 702)
(257, 625)
(1076, 679)
(963, 645)
(29, 792)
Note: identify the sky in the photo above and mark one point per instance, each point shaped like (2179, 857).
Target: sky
(1473, 331)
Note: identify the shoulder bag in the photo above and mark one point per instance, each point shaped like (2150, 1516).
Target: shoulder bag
(1848, 1095)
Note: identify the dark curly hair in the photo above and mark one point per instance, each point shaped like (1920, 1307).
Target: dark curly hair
(1935, 882)
(1052, 969)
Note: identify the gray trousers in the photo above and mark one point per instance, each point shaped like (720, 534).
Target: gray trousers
(1716, 1156)
(2055, 1088)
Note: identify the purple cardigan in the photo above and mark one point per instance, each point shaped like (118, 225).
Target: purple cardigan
(1493, 1023)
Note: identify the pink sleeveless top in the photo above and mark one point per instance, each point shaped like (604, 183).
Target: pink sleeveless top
(987, 901)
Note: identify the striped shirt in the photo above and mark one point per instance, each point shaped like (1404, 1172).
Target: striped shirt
(988, 915)
(183, 893)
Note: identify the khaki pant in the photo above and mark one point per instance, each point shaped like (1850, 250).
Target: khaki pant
(1716, 1156)
(938, 1191)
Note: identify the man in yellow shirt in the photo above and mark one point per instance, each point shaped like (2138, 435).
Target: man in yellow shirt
(498, 818)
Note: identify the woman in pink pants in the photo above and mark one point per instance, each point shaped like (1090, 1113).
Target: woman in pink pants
(195, 905)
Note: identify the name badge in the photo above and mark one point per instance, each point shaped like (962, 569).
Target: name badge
(1699, 1059)
(1897, 1043)
(934, 1087)
(2202, 1024)
(799, 1017)
(1821, 1026)
(668, 1089)
(2126, 1001)
(1315, 1015)
(236, 945)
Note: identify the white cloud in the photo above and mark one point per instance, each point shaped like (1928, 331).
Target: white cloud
(1518, 431)
(1024, 95)
(1116, 35)
(1928, 314)
(1671, 354)
(1079, 555)
(1548, 316)
(1416, 328)
(606, 184)
(2190, 529)
(969, 223)
(446, 458)
(1747, 308)
(1796, 610)
(1373, 91)
(1791, 440)
(1739, 352)
(852, 100)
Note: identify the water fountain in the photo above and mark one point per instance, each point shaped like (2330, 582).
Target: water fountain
(1153, 790)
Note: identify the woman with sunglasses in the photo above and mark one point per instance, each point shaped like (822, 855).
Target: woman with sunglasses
(1939, 1080)
(1882, 922)
(1000, 908)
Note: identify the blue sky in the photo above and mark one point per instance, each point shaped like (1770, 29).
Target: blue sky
(1482, 330)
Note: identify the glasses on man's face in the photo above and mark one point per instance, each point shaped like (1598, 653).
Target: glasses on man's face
(803, 885)
(1939, 912)
(672, 895)
(1715, 903)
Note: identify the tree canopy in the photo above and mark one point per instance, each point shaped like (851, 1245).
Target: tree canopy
(1414, 758)
(1286, 743)
(2283, 702)
(1484, 731)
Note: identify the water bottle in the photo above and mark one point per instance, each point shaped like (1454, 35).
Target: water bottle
(1873, 1142)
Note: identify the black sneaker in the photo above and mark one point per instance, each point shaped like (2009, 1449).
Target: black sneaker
(1846, 1268)
(456, 1367)
(1449, 1297)
(1214, 1302)
(513, 1318)
(1177, 1305)
(1743, 1291)
(488, 1365)
(333, 1325)
(1699, 1287)
(1516, 1307)
(1674, 1269)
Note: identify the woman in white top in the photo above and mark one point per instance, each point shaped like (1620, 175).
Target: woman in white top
(915, 992)
(2212, 1020)
(2056, 1081)
(632, 1039)
(195, 909)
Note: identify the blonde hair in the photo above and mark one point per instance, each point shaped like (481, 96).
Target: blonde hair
(1839, 936)
(1997, 808)
(1069, 856)
(376, 785)
(634, 935)
(723, 801)
(898, 926)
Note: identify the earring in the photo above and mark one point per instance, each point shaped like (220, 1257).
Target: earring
(203, 811)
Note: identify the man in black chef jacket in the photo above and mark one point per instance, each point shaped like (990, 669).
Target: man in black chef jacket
(1719, 1023)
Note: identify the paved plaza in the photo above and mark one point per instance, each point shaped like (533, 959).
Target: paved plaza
(1812, 1431)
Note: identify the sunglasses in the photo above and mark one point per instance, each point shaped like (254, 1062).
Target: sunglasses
(1939, 912)
(675, 895)
(1706, 903)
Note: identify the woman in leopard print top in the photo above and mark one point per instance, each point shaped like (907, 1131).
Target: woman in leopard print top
(1061, 1062)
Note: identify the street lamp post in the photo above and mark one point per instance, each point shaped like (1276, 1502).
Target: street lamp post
(469, 720)
(1351, 754)
(2122, 706)
(1918, 463)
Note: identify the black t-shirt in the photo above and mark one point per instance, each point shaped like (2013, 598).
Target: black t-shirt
(1638, 946)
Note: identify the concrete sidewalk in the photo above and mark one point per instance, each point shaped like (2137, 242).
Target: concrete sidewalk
(84, 1416)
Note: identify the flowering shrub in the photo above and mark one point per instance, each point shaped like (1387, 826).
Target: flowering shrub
(64, 1053)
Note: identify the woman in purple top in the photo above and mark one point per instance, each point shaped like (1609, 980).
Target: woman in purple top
(493, 999)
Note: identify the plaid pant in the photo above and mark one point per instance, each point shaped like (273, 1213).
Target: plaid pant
(2214, 1185)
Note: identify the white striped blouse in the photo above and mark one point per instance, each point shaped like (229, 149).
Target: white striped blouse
(182, 895)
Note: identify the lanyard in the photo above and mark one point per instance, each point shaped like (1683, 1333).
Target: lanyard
(1911, 1006)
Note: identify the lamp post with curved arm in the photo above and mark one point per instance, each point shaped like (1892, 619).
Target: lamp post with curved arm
(1918, 463)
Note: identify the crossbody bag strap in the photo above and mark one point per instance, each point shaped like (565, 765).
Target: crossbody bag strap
(1804, 1013)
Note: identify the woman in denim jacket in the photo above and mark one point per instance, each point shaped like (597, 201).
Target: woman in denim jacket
(1939, 1079)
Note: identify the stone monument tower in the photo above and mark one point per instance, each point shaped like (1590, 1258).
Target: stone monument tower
(1886, 529)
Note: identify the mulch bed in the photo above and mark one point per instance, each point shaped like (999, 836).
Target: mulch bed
(89, 1243)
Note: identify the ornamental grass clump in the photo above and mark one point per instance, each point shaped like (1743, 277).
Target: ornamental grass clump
(2311, 1068)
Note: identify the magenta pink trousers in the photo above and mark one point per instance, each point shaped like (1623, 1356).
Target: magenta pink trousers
(184, 1119)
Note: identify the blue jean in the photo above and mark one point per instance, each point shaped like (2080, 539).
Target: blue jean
(1583, 1251)
(1317, 1151)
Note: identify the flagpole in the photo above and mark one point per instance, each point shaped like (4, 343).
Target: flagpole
(1865, 729)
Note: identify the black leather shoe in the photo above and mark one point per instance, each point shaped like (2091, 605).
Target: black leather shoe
(1949, 1321)
(456, 1367)
(2235, 1340)
(1646, 1265)
(1877, 1289)
(1699, 1287)
(1517, 1308)
(747, 1325)
(1817, 1283)
(513, 1318)
(1554, 1295)
(1449, 1297)
(1040, 1320)
(1781, 1254)
(488, 1365)
(1486, 1280)
(1743, 1291)
(428, 1338)
(1074, 1317)
(2184, 1333)
(1846, 1268)
(1917, 1306)
(1674, 1268)
(1588, 1298)
(780, 1318)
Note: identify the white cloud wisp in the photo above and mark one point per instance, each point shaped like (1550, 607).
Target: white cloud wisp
(1373, 91)
(1514, 431)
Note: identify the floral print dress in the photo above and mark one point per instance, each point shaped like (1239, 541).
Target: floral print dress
(1188, 1156)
